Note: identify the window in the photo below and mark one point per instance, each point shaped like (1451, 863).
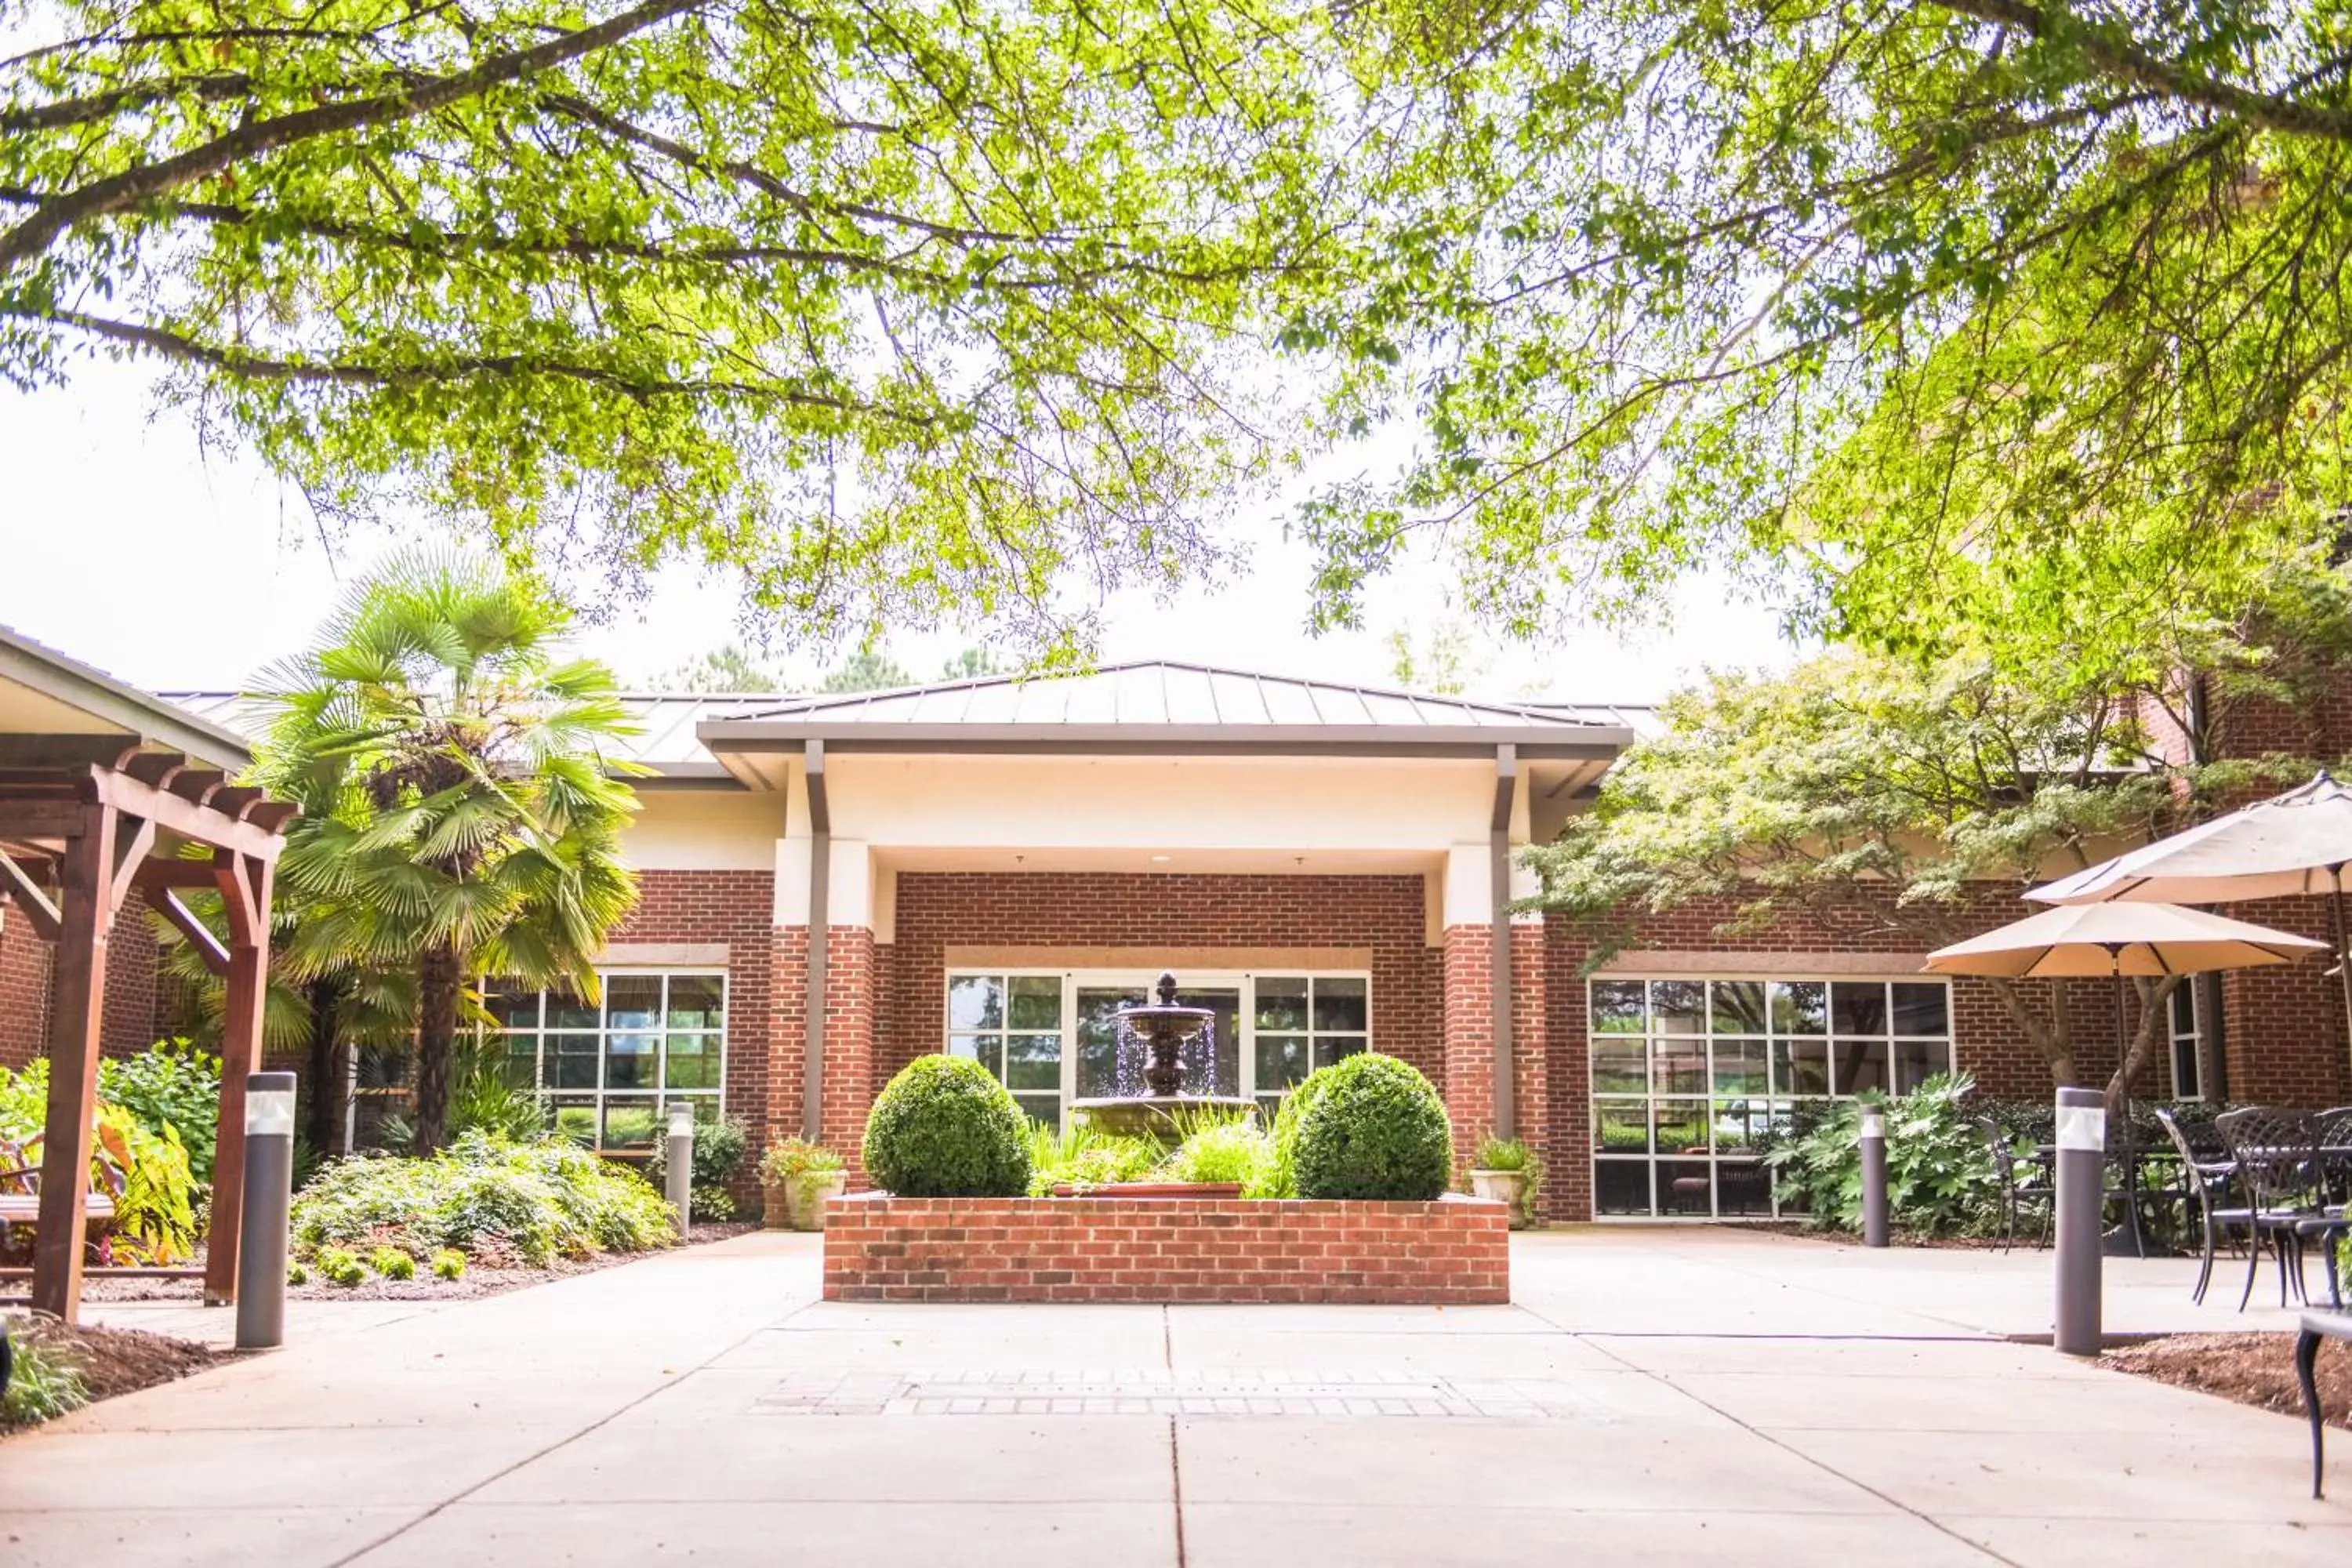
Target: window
(1050, 1036)
(1689, 1076)
(2188, 1065)
(610, 1070)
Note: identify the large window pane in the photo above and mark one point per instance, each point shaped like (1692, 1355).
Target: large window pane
(697, 1001)
(981, 1048)
(575, 1118)
(572, 1061)
(565, 1011)
(1281, 1061)
(1917, 1061)
(1330, 1049)
(1620, 1065)
(1621, 1186)
(691, 1062)
(1618, 1007)
(1739, 1068)
(975, 1002)
(1800, 1007)
(1742, 1188)
(1341, 1004)
(1861, 1066)
(633, 1001)
(1857, 1009)
(631, 1123)
(1800, 1067)
(1739, 1006)
(510, 1005)
(630, 1061)
(1683, 1127)
(1032, 1062)
(1281, 1004)
(1680, 1066)
(1036, 1002)
(1678, 1006)
(1921, 1010)
(1620, 1127)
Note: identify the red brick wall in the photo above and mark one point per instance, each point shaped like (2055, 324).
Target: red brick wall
(1455, 1252)
(23, 989)
(128, 1023)
(1468, 1079)
(1048, 909)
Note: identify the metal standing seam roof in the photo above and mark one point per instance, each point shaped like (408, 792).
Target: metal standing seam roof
(1169, 694)
(150, 715)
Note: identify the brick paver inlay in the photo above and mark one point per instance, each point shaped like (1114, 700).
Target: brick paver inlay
(1130, 1391)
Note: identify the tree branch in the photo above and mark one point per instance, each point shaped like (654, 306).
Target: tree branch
(2133, 64)
(33, 235)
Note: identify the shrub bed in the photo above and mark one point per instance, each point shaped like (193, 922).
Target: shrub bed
(498, 1202)
(944, 1128)
(1374, 1129)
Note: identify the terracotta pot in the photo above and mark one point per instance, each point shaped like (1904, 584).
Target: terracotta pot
(1505, 1187)
(1153, 1190)
(805, 1198)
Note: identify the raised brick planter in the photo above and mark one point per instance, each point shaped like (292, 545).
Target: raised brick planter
(1454, 1252)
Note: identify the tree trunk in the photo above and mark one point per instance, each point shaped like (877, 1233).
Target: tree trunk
(330, 1075)
(2133, 1055)
(436, 1032)
(2051, 1037)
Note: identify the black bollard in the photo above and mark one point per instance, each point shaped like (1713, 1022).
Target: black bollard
(1874, 1175)
(2082, 1202)
(269, 1195)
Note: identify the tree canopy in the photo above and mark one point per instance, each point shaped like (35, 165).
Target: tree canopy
(1872, 798)
(1984, 321)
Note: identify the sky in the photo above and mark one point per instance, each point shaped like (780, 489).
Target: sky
(128, 546)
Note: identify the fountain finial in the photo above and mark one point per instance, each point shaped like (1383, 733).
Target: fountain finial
(1167, 988)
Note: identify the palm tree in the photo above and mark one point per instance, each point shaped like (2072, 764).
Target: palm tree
(468, 818)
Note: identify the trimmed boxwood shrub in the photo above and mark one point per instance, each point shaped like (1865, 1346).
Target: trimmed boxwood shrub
(1373, 1129)
(944, 1128)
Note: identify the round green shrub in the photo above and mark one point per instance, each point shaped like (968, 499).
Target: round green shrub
(944, 1128)
(1375, 1129)
(449, 1264)
(393, 1263)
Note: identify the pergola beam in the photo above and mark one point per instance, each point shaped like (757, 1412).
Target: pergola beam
(18, 884)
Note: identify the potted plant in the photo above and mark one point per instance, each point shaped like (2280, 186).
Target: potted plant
(797, 1179)
(1508, 1171)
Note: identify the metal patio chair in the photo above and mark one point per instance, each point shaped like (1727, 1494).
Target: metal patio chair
(2207, 1173)
(2037, 1185)
(2276, 1155)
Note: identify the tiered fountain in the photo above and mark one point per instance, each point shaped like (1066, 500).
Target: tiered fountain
(1164, 1030)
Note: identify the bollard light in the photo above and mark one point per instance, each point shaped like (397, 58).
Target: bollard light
(679, 1157)
(269, 1195)
(2081, 1203)
(1873, 1138)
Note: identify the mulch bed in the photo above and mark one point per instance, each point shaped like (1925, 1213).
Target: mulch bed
(111, 1361)
(1807, 1230)
(2253, 1369)
(476, 1282)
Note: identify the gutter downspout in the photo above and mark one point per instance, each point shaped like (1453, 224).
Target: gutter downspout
(819, 894)
(1506, 776)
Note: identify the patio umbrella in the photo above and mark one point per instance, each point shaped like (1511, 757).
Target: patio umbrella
(2116, 939)
(2298, 842)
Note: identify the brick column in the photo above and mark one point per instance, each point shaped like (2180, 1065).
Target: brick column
(849, 1085)
(1469, 1083)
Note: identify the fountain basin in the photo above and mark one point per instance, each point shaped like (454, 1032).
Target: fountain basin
(1157, 1115)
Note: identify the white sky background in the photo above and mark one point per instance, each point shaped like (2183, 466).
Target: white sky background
(123, 544)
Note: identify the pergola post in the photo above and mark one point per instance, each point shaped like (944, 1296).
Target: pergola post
(86, 911)
(245, 886)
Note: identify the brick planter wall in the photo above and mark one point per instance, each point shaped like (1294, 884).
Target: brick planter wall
(1452, 1252)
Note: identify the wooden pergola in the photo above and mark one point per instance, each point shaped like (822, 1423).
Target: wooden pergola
(84, 820)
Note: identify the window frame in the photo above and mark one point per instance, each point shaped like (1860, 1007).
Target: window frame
(1653, 1102)
(1244, 981)
(2193, 1037)
(662, 1096)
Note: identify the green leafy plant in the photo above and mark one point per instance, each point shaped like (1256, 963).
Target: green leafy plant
(1279, 1177)
(483, 1098)
(1081, 1156)
(393, 1263)
(720, 1149)
(449, 1264)
(297, 1272)
(945, 1127)
(172, 1084)
(788, 1159)
(1230, 1150)
(340, 1266)
(1939, 1170)
(1511, 1154)
(489, 1196)
(711, 1205)
(44, 1383)
(1376, 1130)
(154, 1191)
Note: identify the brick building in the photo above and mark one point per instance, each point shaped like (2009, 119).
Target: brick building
(832, 885)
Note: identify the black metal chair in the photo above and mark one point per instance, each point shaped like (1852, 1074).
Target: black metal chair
(2206, 1173)
(2036, 1185)
(2332, 1166)
(2276, 1152)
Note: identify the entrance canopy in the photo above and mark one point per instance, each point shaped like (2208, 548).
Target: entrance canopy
(104, 790)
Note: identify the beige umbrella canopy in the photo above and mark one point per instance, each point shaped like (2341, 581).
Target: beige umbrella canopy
(2296, 844)
(2120, 938)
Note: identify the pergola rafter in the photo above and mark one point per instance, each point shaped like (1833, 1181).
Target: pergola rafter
(84, 821)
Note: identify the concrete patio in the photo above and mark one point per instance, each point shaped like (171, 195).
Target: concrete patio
(1653, 1395)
